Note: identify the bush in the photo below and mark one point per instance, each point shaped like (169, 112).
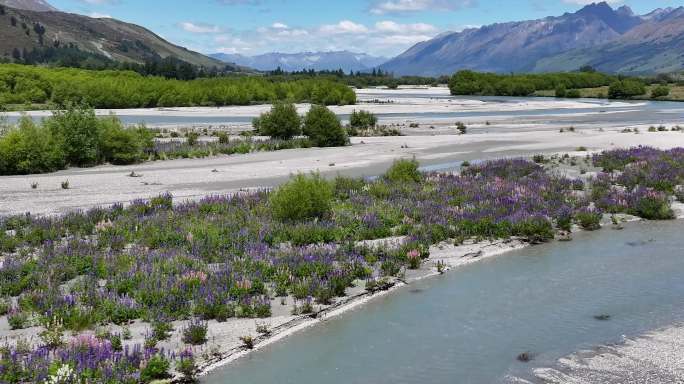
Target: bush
(122, 146)
(404, 171)
(573, 94)
(71, 137)
(561, 91)
(361, 120)
(187, 367)
(77, 129)
(324, 128)
(281, 122)
(18, 320)
(624, 89)
(660, 91)
(30, 148)
(196, 332)
(193, 138)
(157, 368)
(589, 220)
(304, 197)
(161, 330)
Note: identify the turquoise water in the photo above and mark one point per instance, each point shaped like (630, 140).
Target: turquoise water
(469, 325)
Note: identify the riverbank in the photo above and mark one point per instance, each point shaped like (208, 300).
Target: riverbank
(449, 256)
(194, 178)
(654, 357)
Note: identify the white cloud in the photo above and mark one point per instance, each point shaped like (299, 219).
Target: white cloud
(382, 7)
(344, 27)
(199, 27)
(384, 38)
(587, 2)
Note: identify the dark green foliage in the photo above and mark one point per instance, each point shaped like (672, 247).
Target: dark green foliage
(660, 91)
(195, 333)
(77, 129)
(626, 88)
(561, 91)
(157, 368)
(473, 83)
(652, 208)
(573, 94)
(22, 84)
(121, 146)
(324, 128)
(281, 122)
(30, 148)
(361, 120)
(404, 171)
(74, 136)
(303, 197)
(589, 220)
(193, 138)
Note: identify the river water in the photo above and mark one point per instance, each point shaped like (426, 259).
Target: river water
(592, 111)
(469, 325)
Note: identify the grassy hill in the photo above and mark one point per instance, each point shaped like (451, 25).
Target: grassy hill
(24, 31)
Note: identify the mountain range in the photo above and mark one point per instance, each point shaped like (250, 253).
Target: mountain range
(34, 25)
(318, 61)
(614, 40)
(610, 40)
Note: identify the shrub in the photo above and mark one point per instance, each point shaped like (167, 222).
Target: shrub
(561, 91)
(193, 138)
(324, 128)
(660, 91)
(361, 120)
(77, 129)
(462, 129)
(223, 138)
(573, 94)
(157, 368)
(404, 171)
(624, 89)
(589, 220)
(4, 306)
(53, 332)
(30, 148)
(18, 320)
(195, 333)
(187, 367)
(281, 122)
(303, 197)
(119, 145)
(161, 330)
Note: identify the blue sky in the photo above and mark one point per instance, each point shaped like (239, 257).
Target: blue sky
(380, 27)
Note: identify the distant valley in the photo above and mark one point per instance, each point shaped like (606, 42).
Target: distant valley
(318, 61)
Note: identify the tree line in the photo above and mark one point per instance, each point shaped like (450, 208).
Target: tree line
(24, 84)
(566, 84)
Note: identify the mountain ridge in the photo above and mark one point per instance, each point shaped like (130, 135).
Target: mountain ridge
(538, 45)
(26, 31)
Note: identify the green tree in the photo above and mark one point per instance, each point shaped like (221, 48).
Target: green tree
(282, 122)
(324, 128)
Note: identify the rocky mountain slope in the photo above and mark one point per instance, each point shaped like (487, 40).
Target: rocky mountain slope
(610, 39)
(43, 29)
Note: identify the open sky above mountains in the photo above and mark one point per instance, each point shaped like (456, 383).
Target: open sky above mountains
(382, 28)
